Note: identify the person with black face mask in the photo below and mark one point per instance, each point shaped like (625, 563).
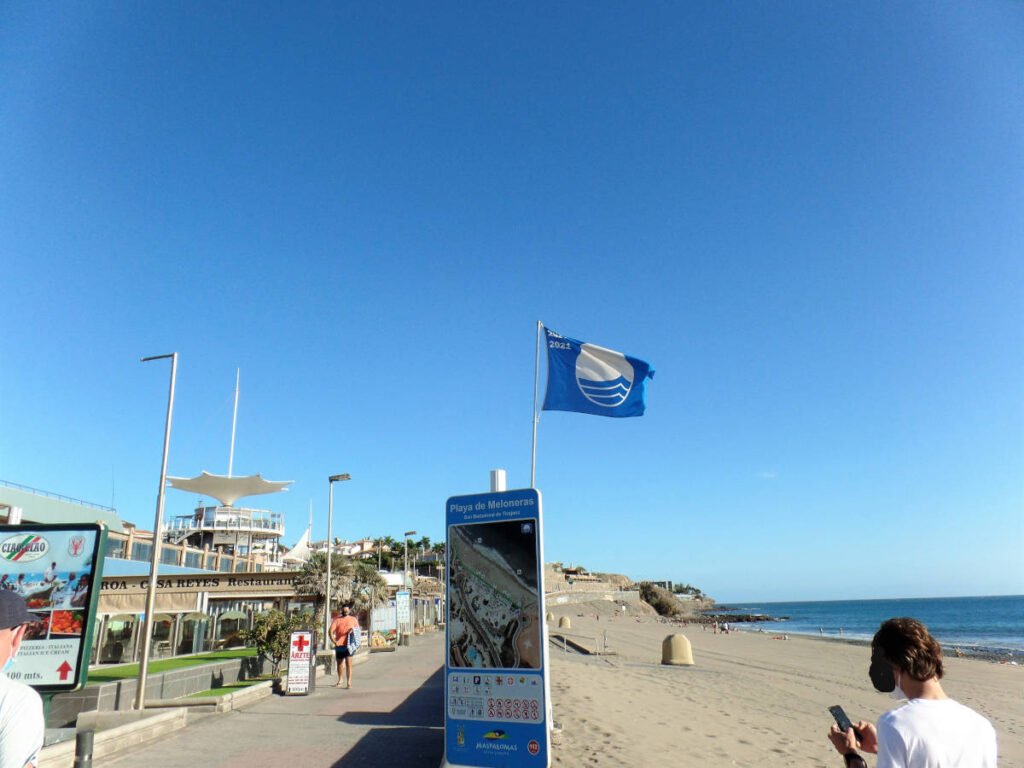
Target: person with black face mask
(930, 730)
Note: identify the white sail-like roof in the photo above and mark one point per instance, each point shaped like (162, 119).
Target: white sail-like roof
(228, 490)
(300, 552)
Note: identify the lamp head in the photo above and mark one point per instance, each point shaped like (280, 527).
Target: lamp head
(338, 478)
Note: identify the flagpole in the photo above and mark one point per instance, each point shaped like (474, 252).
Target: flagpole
(536, 386)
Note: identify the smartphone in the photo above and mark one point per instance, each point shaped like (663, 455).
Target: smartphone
(842, 720)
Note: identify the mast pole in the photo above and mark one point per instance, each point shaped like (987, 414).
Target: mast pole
(234, 421)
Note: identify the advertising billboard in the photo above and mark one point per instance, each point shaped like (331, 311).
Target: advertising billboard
(495, 671)
(57, 569)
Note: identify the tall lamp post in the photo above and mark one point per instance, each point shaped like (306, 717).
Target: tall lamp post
(330, 545)
(406, 536)
(147, 628)
(405, 575)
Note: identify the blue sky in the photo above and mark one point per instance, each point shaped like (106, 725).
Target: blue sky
(806, 216)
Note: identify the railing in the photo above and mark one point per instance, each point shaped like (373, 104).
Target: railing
(57, 496)
(235, 520)
(598, 643)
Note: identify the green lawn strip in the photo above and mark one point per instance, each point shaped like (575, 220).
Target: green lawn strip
(225, 689)
(130, 671)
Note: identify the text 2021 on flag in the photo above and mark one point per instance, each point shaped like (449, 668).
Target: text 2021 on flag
(586, 378)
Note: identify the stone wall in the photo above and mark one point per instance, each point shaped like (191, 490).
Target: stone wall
(120, 695)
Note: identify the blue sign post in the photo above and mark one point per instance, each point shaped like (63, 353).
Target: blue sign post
(496, 686)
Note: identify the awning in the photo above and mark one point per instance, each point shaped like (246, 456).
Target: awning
(173, 602)
(232, 615)
(123, 617)
(162, 617)
(195, 616)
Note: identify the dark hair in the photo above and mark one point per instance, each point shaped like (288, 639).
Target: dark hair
(907, 644)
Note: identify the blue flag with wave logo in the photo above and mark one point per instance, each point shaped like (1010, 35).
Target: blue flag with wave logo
(586, 378)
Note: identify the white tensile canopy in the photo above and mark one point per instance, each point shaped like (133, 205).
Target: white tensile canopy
(228, 490)
(300, 552)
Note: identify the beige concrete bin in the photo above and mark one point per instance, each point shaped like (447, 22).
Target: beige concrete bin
(676, 650)
(564, 623)
(550, 617)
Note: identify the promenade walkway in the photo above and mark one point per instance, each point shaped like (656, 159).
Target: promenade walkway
(392, 716)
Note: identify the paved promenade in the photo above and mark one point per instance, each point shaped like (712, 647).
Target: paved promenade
(392, 716)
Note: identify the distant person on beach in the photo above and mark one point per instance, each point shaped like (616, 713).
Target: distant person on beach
(21, 709)
(340, 629)
(930, 729)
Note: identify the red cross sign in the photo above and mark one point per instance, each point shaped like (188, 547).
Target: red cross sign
(301, 642)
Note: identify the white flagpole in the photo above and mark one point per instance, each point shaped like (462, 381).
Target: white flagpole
(234, 421)
(536, 418)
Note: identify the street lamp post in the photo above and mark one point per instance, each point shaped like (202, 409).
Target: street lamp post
(330, 545)
(406, 536)
(405, 575)
(147, 628)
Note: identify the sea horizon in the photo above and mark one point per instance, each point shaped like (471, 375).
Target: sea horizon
(989, 625)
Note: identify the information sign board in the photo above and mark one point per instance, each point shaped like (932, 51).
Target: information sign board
(300, 659)
(384, 627)
(55, 568)
(402, 602)
(496, 685)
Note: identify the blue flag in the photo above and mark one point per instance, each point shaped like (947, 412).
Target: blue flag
(589, 379)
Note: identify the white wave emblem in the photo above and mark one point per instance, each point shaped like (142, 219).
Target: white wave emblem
(604, 376)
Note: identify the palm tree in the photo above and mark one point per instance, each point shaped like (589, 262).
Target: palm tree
(378, 544)
(312, 580)
(390, 545)
(368, 587)
(423, 544)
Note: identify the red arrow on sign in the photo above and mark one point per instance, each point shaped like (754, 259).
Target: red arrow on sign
(64, 669)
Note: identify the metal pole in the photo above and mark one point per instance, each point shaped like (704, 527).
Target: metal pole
(330, 546)
(234, 421)
(536, 386)
(147, 628)
(327, 597)
(83, 749)
(407, 630)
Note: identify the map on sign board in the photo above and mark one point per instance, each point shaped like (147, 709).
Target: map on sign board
(493, 595)
(55, 569)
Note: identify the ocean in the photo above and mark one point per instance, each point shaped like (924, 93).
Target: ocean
(975, 625)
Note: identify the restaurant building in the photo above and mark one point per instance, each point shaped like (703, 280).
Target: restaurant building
(205, 595)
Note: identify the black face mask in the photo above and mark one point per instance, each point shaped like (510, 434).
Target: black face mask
(880, 672)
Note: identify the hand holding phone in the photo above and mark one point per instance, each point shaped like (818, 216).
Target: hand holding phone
(843, 721)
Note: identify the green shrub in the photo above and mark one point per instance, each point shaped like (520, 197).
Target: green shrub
(661, 600)
(271, 634)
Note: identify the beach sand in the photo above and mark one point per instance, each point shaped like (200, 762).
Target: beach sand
(749, 700)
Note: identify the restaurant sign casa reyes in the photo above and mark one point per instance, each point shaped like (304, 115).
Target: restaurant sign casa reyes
(269, 584)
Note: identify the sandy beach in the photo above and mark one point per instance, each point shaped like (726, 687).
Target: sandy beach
(749, 700)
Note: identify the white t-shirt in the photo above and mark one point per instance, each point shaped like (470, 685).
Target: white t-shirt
(935, 733)
(21, 724)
